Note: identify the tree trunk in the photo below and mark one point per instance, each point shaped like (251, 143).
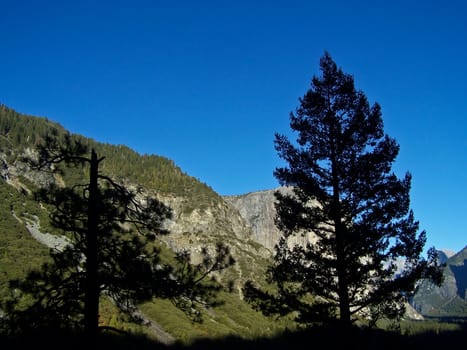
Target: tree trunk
(344, 302)
(91, 301)
(339, 231)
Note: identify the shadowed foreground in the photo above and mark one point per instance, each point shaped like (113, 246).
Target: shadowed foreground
(330, 337)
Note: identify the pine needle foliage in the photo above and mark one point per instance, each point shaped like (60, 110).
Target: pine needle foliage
(345, 193)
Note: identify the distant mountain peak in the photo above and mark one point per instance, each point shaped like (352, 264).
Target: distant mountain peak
(444, 255)
(448, 252)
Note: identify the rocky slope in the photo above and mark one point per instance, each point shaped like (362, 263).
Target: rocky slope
(258, 211)
(192, 227)
(220, 222)
(450, 299)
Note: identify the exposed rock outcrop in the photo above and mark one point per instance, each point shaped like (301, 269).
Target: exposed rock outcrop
(451, 297)
(258, 210)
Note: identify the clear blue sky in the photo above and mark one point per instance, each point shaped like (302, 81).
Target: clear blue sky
(208, 83)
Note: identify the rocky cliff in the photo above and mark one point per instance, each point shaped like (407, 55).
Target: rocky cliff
(259, 212)
(450, 299)
(194, 228)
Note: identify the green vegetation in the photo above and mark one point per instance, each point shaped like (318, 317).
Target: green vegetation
(430, 325)
(19, 131)
(18, 250)
(231, 318)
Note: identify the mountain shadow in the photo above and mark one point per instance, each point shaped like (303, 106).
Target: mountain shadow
(460, 274)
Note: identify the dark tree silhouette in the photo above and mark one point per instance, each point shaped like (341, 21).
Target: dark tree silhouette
(343, 190)
(112, 230)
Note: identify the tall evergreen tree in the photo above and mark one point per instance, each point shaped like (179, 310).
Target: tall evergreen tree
(112, 251)
(344, 192)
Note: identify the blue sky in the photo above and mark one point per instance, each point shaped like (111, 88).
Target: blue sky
(208, 83)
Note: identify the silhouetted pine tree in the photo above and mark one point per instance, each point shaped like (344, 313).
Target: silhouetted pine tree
(343, 190)
(112, 251)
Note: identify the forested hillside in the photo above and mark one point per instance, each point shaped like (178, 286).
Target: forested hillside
(201, 218)
(18, 131)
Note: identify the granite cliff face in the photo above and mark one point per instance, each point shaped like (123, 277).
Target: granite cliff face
(191, 229)
(259, 212)
(450, 299)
